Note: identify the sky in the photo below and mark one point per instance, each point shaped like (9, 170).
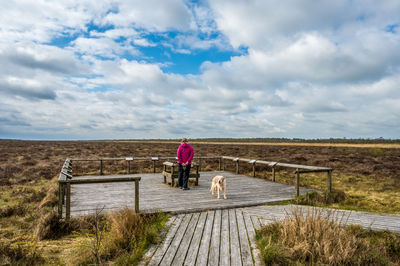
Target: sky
(134, 69)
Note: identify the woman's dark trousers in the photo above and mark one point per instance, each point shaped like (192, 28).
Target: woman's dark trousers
(183, 175)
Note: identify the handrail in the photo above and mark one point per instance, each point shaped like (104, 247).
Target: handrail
(299, 169)
(66, 177)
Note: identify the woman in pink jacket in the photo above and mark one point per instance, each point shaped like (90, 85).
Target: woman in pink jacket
(185, 155)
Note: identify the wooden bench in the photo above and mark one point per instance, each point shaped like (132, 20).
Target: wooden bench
(171, 170)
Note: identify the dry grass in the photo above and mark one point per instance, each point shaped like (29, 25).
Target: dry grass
(321, 240)
(119, 237)
(369, 176)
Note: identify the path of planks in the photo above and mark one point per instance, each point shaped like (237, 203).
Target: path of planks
(227, 237)
(155, 196)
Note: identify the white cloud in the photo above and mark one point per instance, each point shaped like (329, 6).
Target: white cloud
(151, 14)
(104, 47)
(326, 69)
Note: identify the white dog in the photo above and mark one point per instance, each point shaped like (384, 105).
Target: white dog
(218, 183)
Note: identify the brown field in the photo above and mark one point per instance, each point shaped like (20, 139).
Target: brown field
(24, 161)
(368, 174)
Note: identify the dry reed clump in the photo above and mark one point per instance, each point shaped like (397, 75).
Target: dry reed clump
(121, 237)
(50, 226)
(51, 198)
(315, 238)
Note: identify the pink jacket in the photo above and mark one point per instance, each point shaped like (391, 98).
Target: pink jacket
(185, 153)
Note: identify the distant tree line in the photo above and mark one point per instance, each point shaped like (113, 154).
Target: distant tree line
(300, 140)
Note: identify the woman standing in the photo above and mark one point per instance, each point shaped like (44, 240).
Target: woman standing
(185, 155)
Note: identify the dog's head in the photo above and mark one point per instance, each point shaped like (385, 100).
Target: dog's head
(221, 180)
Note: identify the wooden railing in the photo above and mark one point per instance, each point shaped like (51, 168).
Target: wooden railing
(273, 165)
(66, 179)
(153, 159)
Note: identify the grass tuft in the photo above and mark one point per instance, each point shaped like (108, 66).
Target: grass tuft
(315, 239)
(50, 226)
(120, 237)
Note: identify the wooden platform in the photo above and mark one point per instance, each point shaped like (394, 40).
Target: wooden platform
(155, 196)
(227, 237)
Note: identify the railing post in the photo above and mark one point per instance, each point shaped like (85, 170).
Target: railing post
(137, 196)
(297, 182)
(154, 166)
(219, 164)
(101, 167)
(224, 165)
(172, 176)
(237, 166)
(60, 200)
(164, 170)
(200, 164)
(68, 202)
(273, 173)
(253, 162)
(129, 167)
(329, 181)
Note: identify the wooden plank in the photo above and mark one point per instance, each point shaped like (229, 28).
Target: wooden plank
(256, 222)
(202, 256)
(159, 254)
(224, 258)
(186, 240)
(170, 254)
(151, 251)
(195, 244)
(252, 237)
(243, 239)
(77, 180)
(236, 258)
(213, 257)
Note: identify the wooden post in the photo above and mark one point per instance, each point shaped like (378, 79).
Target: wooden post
(224, 165)
(329, 181)
(273, 174)
(172, 176)
(254, 169)
(63, 194)
(197, 175)
(154, 166)
(219, 164)
(297, 182)
(237, 167)
(129, 167)
(60, 200)
(200, 165)
(101, 167)
(164, 170)
(137, 196)
(68, 202)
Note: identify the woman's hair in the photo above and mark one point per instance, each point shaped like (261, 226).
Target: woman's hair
(184, 140)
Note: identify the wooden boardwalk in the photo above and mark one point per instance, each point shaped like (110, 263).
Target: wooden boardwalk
(155, 196)
(227, 237)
